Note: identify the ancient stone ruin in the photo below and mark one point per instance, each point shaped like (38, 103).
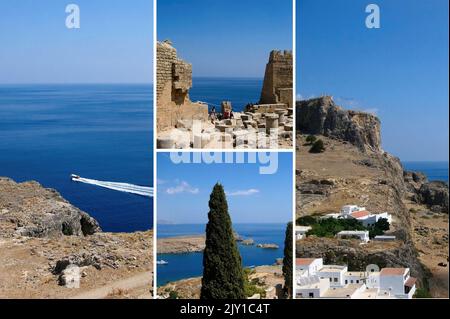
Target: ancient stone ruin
(174, 79)
(278, 80)
(182, 123)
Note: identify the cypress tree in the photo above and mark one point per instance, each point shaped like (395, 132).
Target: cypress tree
(287, 261)
(223, 275)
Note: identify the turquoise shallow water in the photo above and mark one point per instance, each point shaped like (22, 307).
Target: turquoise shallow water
(190, 265)
(102, 132)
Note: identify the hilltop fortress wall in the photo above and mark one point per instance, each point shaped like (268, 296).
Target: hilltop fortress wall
(278, 79)
(173, 81)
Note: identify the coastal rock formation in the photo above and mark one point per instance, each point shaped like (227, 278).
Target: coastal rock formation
(47, 245)
(181, 244)
(39, 212)
(354, 170)
(435, 196)
(268, 246)
(321, 116)
(173, 81)
(432, 194)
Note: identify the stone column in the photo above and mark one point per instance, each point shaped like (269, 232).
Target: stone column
(271, 122)
(281, 114)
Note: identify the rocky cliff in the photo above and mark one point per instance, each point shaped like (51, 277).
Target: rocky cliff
(46, 244)
(321, 116)
(354, 169)
(38, 212)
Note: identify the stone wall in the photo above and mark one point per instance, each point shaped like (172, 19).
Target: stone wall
(173, 81)
(278, 79)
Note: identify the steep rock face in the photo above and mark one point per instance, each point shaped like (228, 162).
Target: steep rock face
(414, 180)
(28, 209)
(321, 116)
(435, 195)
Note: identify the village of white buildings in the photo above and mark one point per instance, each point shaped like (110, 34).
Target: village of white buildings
(316, 280)
(358, 213)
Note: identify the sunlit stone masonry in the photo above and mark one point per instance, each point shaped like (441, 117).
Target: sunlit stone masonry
(183, 124)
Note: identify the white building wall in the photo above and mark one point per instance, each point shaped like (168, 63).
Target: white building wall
(348, 280)
(373, 280)
(303, 292)
(312, 268)
(395, 284)
(336, 278)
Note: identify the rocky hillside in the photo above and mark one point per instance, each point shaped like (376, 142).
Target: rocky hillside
(45, 242)
(354, 169)
(321, 116)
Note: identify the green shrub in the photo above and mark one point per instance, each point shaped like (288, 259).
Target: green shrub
(251, 286)
(310, 139)
(422, 293)
(173, 294)
(329, 227)
(317, 147)
(379, 228)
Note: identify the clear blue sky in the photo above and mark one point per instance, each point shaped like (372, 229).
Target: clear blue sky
(184, 189)
(226, 38)
(400, 70)
(113, 45)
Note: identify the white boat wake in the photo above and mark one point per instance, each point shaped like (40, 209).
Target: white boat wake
(121, 187)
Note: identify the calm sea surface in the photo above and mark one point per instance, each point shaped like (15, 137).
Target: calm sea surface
(433, 170)
(190, 265)
(103, 132)
(240, 91)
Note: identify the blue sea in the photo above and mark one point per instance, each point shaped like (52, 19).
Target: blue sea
(435, 171)
(239, 91)
(103, 132)
(183, 266)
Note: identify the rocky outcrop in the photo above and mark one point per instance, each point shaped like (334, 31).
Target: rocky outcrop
(434, 195)
(321, 116)
(47, 245)
(34, 211)
(414, 180)
(268, 246)
(181, 244)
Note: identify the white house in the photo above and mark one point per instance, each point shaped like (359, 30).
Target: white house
(384, 238)
(311, 287)
(363, 235)
(360, 214)
(316, 280)
(373, 279)
(355, 277)
(397, 282)
(352, 291)
(308, 266)
(349, 209)
(334, 273)
(300, 231)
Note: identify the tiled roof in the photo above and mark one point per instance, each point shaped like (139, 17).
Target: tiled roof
(392, 271)
(360, 214)
(304, 261)
(411, 282)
